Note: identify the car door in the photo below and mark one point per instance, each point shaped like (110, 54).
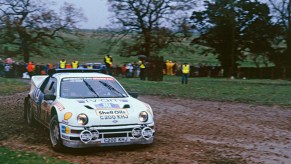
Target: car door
(49, 89)
(38, 97)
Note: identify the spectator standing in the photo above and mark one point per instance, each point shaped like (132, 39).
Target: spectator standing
(168, 67)
(50, 66)
(123, 70)
(142, 68)
(7, 68)
(62, 64)
(129, 70)
(89, 66)
(185, 73)
(75, 64)
(30, 69)
(108, 60)
(43, 69)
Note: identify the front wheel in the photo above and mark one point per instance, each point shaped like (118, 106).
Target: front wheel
(55, 136)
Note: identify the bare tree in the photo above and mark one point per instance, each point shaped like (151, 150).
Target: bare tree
(282, 13)
(31, 27)
(151, 24)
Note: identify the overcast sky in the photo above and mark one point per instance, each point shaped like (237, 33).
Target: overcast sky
(96, 12)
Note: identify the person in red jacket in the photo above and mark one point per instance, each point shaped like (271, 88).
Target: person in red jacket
(30, 69)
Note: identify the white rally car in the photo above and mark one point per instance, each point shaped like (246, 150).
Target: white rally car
(82, 108)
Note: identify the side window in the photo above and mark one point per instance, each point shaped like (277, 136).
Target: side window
(51, 87)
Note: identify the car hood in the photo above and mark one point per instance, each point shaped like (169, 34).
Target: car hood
(104, 111)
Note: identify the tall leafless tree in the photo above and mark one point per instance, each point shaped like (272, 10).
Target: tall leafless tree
(282, 10)
(31, 27)
(151, 23)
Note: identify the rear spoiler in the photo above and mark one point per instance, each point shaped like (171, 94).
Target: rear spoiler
(74, 70)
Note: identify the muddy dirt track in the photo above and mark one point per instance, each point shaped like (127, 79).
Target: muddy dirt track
(187, 131)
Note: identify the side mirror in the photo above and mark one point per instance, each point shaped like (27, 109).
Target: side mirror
(133, 94)
(49, 97)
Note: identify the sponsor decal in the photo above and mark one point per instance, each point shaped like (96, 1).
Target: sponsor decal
(80, 101)
(102, 100)
(65, 122)
(115, 112)
(91, 100)
(114, 100)
(107, 105)
(108, 114)
(67, 116)
(65, 137)
(59, 106)
(63, 129)
(102, 78)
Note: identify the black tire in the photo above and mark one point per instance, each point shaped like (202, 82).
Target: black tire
(55, 134)
(29, 116)
(25, 107)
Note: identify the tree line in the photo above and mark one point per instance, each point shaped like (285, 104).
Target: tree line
(232, 30)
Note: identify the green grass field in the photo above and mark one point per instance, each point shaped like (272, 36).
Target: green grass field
(10, 86)
(8, 156)
(254, 91)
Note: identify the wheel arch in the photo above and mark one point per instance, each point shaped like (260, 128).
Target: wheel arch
(53, 112)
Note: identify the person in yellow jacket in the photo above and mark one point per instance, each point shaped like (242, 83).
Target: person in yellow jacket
(185, 73)
(108, 62)
(75, 64)
(142, 68)
(63, 64)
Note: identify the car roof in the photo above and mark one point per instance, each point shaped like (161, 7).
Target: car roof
(64, 73)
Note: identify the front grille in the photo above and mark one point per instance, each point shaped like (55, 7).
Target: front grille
(106, 133)
(114, 130)
(105, 130)
(75, 138)
(113, 135)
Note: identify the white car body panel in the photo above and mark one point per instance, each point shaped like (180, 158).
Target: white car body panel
(117, 117)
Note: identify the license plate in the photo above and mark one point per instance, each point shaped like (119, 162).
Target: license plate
(114, 140)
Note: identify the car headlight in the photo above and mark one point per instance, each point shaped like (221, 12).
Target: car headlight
(143, 116)
(82, 119)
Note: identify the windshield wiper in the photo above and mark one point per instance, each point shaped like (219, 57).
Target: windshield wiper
(111, 88)
(90, 88)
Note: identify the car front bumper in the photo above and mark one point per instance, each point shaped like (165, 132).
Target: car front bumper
(100, 136)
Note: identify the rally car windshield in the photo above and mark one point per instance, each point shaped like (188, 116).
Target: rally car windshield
(91, 88)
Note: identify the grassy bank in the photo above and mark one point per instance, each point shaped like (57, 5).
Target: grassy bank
(8, 156)
(254, 91)
(10, 86)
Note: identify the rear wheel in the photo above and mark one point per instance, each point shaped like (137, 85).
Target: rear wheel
(28, 112)
(55, 136)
